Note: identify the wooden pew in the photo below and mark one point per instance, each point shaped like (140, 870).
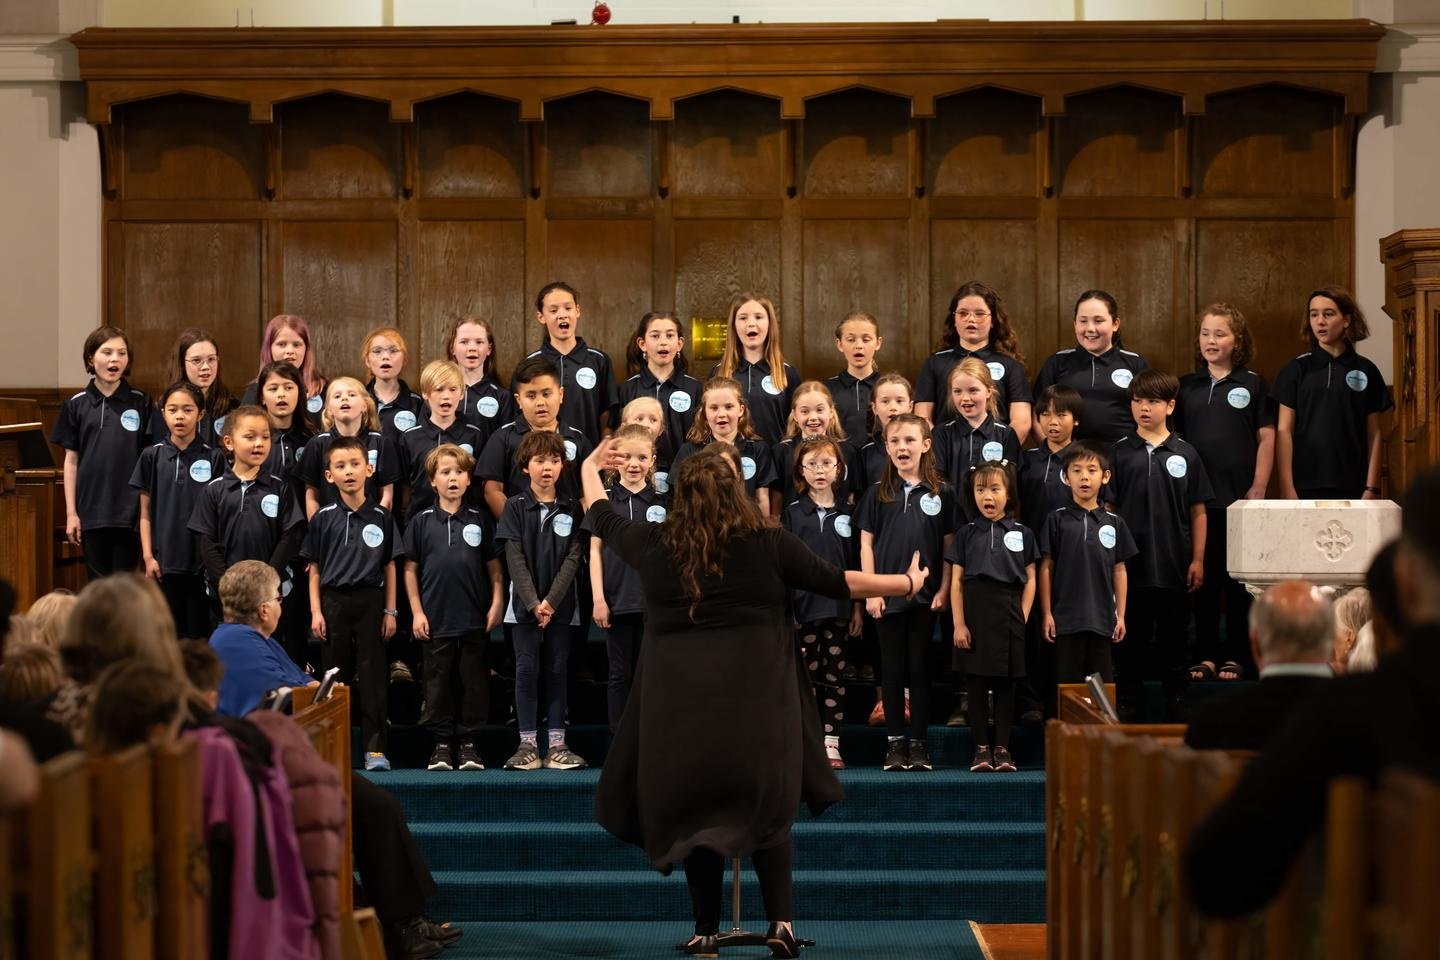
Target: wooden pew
(55, 863)
(182, 868)
(1404, 922)
(328, 725)
(124, 811)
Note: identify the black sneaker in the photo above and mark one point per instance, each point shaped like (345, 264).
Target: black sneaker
(525, 757)
(897, 756)
(920, 756)
(1002, 761)
(561, 757)
(440, 758)
(981, 763)
(469, 759)
(1033, 719)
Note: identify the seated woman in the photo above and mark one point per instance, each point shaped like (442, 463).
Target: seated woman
(135, 702)
(254, 662)
(1352, 611)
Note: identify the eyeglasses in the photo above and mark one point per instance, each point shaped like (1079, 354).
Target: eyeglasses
(202, 361)
(818, 466)
(385, 351)
(966, 315)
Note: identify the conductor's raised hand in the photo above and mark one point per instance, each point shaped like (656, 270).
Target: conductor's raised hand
(917, 574)
(606, 455)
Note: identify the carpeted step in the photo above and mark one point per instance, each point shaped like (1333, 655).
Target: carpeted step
(819, 844)
(568, 796)
(569, 897)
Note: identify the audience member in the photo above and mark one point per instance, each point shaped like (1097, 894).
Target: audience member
(1292, 629)
(29, 674)
(1352, 611)
(135, 702)
(1239, 856)
(19, 776)
(43, 738)
(21, 633)
(49, 614)
(254, 662)
(1363, 655)
(1386, 619)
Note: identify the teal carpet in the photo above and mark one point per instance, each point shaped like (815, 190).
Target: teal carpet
(845, 940)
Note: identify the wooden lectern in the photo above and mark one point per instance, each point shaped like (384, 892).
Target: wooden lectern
(28, 490)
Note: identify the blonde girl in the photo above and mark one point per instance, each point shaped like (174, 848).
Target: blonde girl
(384, 355)
(753, 357)
(974, 436)
(813, 415)
(724, 416)
(349, 412)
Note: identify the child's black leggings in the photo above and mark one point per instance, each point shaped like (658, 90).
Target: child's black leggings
(904, 649)
(822, 645)
(110, 550)
(705, 875)
(1004, 688)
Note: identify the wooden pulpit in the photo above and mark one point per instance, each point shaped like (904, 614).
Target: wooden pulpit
(1412, 299)
(29, 483)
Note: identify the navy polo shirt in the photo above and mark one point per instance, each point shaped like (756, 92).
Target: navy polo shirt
(174, 479)
(999, 550)
(452, 551)
(311, 408)
(831, 535)
(351, 547)
(933, 384)
(960, 447)
(1085, 545)
(1331, 397)
(1221, 418)
(1043, 489)
(379, 451)
(402, 413)
(545, 532)
(1154, 489)
(497, 461)
(589, 382)
(756, 466)
(287, 449)
(623, 592)
(486, 404)
(108, 433)
(767, 404)
(916, 519)
(416, 444)
(679, 398)
(872, 463)
(849, 481)
(852, 403)
(1104, 385)
(246, 518)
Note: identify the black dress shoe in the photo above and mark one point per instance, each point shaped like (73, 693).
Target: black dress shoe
(702, 946)
(407, 941)
(781, 941)
(442, 933)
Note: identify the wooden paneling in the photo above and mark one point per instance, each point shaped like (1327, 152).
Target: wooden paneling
(1118, 143)
(1135, 261)
(1272, 142)
(1266, 269)
(473, 267)
(341, 278)
(470, 146)
(598, 145)
(1003, 254)
(982, 144)
(716, 259)
(178, 275)
(337, 148)
(609, 263)
(855, 145)
(190, 148)
(727, 144)
(855, 265)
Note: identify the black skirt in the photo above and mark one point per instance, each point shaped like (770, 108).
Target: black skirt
(997, 631)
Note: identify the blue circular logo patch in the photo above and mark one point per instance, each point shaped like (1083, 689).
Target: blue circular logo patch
(768, 385)
(219, 426)
(1357, 380)
(994, 450)
(997, 371)
(1176, 466)
(662, 481)
(1014, 541)
(130, 420)
(200, 471)
(468, 448)
(842, 526)
(930, 504)
(656, 514)
(373, 456)
(1107, 537)
(1121, 378)
(315, 404)
(585, 377)
(372, 535)
(270, 505)
(1239, 398)
(747, 467)
(563, 524)
(404, 419)
(571, 449)
(471, 533)
(680, 401)
(488, 407)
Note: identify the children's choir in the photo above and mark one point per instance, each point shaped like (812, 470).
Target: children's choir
(442, 513)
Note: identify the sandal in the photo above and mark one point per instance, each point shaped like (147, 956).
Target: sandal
(1236, 671)
(1202, 671)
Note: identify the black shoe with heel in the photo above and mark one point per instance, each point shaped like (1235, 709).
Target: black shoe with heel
(702, 945)
(781, 941)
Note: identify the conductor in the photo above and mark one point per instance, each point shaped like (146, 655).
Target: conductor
(720, 740)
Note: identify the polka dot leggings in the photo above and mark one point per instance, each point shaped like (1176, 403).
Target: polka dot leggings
(822, 644)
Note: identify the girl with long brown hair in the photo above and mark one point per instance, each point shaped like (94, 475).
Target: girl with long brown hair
(976, 325)
(753, 356)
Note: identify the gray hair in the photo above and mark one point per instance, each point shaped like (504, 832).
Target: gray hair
(1287, 630)
(244, 587)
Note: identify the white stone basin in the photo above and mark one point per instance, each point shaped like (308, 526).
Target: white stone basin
(1328, 542)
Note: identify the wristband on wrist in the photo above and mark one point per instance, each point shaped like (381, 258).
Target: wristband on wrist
(1374, 490)
(390, 613)
(911, 582)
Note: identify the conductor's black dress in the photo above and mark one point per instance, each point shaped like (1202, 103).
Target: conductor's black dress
(720, 741)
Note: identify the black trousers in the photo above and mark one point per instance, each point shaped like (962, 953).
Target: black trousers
(1036, 690)
(622, 648)
(393, 874)
(979, 716)
(541, 656)
(822, 646)
(110, 550)
(293, 633)
(1077, 655)
(352, 643)
(904, 657)
(189, 604)
(457, 683)
(1220, 594)
(1155, 646)
(705, 875)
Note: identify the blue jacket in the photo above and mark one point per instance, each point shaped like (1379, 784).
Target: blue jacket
(254, 664)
